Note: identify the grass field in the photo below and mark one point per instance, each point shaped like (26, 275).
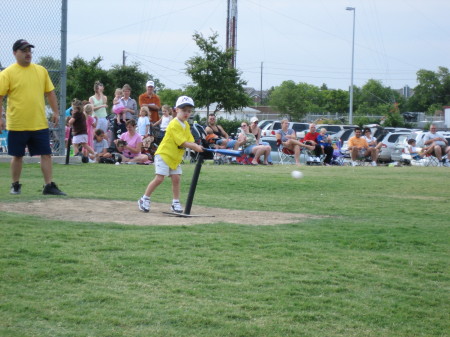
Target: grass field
(376, 264)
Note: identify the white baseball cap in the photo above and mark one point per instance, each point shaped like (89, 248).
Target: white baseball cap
(183, 101)
(254, 119)
(150, 84)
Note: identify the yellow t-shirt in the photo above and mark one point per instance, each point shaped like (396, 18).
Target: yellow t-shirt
(25, 87)
(175, 135)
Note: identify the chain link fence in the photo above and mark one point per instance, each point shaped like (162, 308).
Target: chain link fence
(43, 24)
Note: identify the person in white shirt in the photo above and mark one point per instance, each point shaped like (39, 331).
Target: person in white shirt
(439, 144)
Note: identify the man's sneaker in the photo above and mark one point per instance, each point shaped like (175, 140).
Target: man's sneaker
(440, 164)
(15, 188)
(52, 189)
(354, 163)
(144, 204)
(374, 163)
(176, 207)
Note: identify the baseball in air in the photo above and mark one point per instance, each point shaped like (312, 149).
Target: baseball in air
(296, 174)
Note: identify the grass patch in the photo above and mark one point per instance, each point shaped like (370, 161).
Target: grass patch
(378, 267)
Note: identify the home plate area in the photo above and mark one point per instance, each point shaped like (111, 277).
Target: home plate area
(127, 213)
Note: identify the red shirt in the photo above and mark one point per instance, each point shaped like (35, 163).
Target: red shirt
(146, 99)
(311, 136)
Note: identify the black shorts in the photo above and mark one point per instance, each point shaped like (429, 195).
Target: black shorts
(38, 142)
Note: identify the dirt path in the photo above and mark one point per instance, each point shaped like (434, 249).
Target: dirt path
(126, 212)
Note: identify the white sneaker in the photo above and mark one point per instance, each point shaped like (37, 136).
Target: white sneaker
(144, 204)
(440, 164)
(354, 163)
(176, 207)
(374, 163)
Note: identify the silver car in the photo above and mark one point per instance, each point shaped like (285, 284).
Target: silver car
(399, 148)
(388, 144)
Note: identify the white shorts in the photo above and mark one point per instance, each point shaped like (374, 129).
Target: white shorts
(78, 139)
(163, 169)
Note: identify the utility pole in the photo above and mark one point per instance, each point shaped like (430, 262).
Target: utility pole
(123, 57)
(261, 91)
(232, 29)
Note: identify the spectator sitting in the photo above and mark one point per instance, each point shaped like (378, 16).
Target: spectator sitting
(359, 148)
(324, 141)
(224, 139)
(311, 139)
(131, 149)
(212, 138)
(100, 145)
(438, 145)
(256, 130)
(248, 142)
(413, 150)
(288, 139)
(372, 142)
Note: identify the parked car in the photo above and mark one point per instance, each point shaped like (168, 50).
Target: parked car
(271, 129)
(334, 128)
(399, 148)
(264, 122)
(388, 144)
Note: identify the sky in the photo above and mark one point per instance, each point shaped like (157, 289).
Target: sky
(300, 40)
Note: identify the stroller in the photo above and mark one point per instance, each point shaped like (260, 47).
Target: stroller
(199, 134)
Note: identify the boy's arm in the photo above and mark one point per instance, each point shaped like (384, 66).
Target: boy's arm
(192, 146)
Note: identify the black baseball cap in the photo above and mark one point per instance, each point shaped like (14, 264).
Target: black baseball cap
(21, 44)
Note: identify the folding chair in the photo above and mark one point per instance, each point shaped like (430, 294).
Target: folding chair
(312, 158)
(286, 156)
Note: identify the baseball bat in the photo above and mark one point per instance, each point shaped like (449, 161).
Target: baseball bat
(234, 153)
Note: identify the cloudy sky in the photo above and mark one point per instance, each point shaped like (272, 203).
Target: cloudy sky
(301, 40)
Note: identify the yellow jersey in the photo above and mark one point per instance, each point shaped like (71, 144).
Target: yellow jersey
(170, 149)
(25, 87)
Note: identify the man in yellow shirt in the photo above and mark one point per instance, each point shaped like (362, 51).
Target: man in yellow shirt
(359, 148)
(26, 84)
(170, 152)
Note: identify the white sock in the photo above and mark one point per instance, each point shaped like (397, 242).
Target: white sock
(145, 197)
(175, 201)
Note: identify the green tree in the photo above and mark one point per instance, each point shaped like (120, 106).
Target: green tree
(335, 101)
(433, 89)
(296, 100)
(81, 76)
(169, 96)
(132, 75)
(214, 80)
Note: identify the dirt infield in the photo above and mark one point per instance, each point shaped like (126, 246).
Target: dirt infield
(127, 213)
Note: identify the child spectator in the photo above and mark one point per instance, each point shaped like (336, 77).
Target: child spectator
(170, 153)
(118, 107)
(91, 123)
(324, 141)
(413, 151)
(79, 129)
(143, 124)
(100, 145)
(211, 137)
(164, 120)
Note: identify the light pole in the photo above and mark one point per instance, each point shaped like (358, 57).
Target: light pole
(350, 109)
